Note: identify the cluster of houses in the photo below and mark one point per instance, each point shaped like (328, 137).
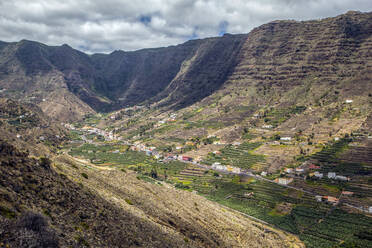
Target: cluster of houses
(227, 168)
(108, 135)
(314, 173)
(151, 151)
(306, 167)
(171, 118)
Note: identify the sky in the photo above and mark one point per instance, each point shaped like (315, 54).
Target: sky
(106, 25)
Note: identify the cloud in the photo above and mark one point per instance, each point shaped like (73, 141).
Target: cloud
(103, 26)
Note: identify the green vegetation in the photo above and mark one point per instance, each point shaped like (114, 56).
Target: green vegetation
(275, 116)
(241, 156)
(138, 161)
(317, 224)
(7, 213)
(128, 201)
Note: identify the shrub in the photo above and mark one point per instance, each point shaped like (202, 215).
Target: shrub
(45, 162)
(128, 201)
(182, 186)
(84, 175)
(7, 213)
(29, 230)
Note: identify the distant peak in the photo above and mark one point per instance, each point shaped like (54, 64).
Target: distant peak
(117, 51)
(353, 12)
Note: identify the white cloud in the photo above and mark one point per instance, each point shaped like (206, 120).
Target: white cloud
(103, 26)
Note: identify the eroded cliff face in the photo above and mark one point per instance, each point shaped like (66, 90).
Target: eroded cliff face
(279, 55)
(284, 54)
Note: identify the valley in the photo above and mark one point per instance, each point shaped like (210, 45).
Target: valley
(303, 205)
(253, 140)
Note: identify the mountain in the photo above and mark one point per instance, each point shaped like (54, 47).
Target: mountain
(309, 81)
(184, 74)
(72, 82)
(288, 95)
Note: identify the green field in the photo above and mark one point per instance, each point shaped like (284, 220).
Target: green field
(241, 156)
(317, 224)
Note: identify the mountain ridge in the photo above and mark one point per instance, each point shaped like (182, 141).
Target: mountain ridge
(175, 76)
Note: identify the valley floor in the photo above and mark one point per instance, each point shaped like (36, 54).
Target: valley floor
(293, 209)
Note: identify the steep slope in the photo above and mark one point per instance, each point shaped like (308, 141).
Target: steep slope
(307, 81)
(27, 73)
(79, 217)
(29, 129)
(70, 80)
(278, 56)
(204, 73)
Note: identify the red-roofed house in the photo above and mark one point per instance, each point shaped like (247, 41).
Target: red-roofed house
(314, 167)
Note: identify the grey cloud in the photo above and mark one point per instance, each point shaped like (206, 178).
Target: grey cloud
(103, 26)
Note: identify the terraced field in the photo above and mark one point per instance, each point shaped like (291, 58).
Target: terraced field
(317, 224)
(240, 156)
(104, 155)
(348, 161)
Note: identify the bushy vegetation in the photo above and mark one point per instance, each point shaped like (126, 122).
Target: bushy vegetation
(241, 156)
(138, 161)
(29, 230)
(276, 116)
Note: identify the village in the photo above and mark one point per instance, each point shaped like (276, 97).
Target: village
(308, 170)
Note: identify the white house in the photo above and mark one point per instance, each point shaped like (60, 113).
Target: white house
(283, 180)
(218, 166)
(288, 170)
(370, 210)
(299, 170)
(332, 175)
(267, 126)
(236, 170)
(349, 101)
(342, 178)
(318, 198)
(286, 138)
(264, 173)
(318, 174)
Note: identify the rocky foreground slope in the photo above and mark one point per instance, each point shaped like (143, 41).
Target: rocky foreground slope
(91, 208)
